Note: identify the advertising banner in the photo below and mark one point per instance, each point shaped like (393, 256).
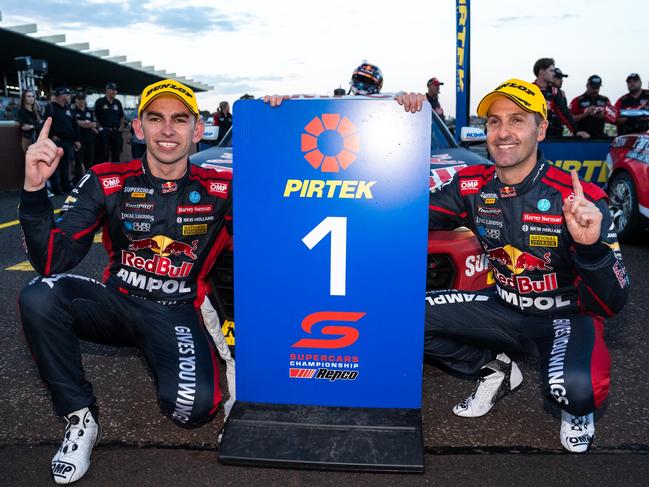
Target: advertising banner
(330, 237)
(462, 64)
(587, 157)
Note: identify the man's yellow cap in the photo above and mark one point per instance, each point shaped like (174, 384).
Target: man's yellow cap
(168, 87)
(526, 95)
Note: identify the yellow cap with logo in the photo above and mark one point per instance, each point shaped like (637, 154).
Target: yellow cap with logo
(168, 87)
(526, 95)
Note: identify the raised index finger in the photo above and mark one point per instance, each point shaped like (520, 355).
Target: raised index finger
(576, 185)
(45, 131)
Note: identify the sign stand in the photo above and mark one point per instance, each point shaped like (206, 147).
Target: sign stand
(330, 228)
(296, 436)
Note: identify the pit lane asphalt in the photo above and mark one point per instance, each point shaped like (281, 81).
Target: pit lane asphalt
(516, 444)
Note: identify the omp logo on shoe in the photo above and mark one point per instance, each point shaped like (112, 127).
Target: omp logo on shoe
(330, 143)
(62, 469)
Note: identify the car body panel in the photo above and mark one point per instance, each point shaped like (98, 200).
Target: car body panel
(630, 153)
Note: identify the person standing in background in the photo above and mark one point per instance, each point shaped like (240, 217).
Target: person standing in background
(636, 98)
(29, 118)
(588, 108)
(223, 120)
(109, 115)
(433, 96)
(85, 118)
(64, 132)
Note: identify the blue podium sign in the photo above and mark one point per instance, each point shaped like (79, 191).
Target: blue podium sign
(330, 237)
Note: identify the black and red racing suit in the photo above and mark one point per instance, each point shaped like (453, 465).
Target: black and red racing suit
(551, 294)
(162, 238)
(558, 112)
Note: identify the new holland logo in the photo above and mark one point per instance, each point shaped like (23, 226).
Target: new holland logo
(330, 143)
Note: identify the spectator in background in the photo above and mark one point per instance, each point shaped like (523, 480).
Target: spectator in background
(29, 118)
(84, 158)
(223, 120)
(339, 91)
(558, 113)
(558, 81)
(109, 116)
(588, 108)
(432, 96)
(64, 132)
(636, 98)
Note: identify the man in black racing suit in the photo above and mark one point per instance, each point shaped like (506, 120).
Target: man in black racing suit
(163, 222)
(556, 263)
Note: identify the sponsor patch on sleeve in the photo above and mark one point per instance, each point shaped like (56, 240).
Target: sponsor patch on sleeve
(219, 188)
(110, 184)
(469, 186)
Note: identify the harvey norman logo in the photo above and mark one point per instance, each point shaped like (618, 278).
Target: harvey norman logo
(329, 143)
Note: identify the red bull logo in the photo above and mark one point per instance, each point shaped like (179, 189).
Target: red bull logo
(160, 266)
(169, 187)
(330, 143)
(165, 246)
(518, 261)
(507, 192)
(525, 285)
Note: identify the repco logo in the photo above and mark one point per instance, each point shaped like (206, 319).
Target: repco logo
(219, 189)
(346, 335)
(330, 143)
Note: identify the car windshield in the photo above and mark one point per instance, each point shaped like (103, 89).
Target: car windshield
(226, 141)
(440, 137)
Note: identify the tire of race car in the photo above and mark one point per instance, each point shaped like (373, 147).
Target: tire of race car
(622, 181)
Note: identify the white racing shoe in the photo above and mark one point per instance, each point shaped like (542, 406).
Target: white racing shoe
(577, 432)
(72, 460)
(497, 379)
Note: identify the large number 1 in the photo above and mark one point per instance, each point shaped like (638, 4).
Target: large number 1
(337, 226)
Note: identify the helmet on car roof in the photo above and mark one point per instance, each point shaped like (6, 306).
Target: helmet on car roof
(367, 79)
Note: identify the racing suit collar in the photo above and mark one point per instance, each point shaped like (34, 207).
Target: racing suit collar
(163, 186)
(513, 190)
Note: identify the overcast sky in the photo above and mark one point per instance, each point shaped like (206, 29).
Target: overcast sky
(293, 46)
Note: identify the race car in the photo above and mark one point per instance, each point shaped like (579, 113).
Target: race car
(455, 258)
(628, 183)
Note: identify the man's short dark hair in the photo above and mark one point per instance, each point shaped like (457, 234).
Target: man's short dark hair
(543, 63)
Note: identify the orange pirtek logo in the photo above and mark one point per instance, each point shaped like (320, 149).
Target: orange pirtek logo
(330, 143)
